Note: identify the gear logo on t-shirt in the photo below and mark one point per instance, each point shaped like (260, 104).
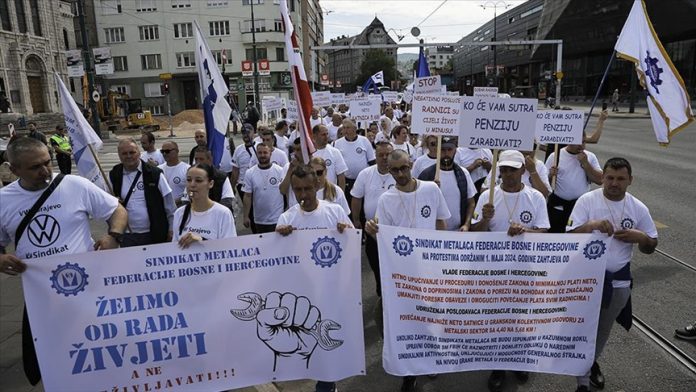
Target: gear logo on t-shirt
(525, 217)
(359, 150)
(140, 186)
(177, 180)
(326, 252)
(69, 279)
(627, 223)
(43, 230)
(273, 181)
(425, 211)
(403, 245)
(328, 162)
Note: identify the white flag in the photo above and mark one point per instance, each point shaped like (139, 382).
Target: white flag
(81, 137)
(378, 78)
(216, 109)
(668, 100)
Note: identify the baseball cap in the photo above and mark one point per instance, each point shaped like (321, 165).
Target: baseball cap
(449, 141)
(511, 158)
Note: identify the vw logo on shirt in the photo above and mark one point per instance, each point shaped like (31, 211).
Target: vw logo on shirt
(43, 230)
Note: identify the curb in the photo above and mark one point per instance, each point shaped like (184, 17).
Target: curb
(270, 387)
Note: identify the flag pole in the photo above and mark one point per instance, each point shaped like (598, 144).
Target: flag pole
(599, 89)
(493, 179)
(101, 170)
(437, 161)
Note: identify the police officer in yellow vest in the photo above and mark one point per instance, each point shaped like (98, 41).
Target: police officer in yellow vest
(61, 144)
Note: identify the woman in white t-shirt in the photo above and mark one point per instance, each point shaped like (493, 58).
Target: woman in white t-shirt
(385, 126)
(202, 219)
(328, 191)
(401, 142)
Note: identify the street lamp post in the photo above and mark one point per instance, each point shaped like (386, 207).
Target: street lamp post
(254, 57)
(87, 55)
(495, 5)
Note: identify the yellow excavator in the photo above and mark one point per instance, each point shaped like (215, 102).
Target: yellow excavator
(118, 106)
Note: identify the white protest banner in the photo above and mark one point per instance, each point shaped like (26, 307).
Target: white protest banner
(375, 97)
(559, 126)
(213, 317)
(427, 85)
(474, 301)
(293, 113)
(365, 110)
(338, 98)
(436, 115)
(321, 98)
(103, 62)
(74, 61)
(408, 96)
(486, 92)
(271, 103)
(390, 96)
(498, 123)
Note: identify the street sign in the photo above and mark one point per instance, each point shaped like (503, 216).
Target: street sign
(247, 69)
(264, 67)
(324, 79)
(165, 76)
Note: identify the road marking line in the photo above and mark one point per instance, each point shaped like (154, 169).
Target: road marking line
(660, 225)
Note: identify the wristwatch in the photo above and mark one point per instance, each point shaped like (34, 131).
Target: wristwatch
(116, 236)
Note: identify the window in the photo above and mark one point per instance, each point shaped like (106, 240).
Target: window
(156, 110)
(66, 41)
(278, 25)
(149, 33)
(185, 59)
(114, 35)
(280, 54)
(5, 15)
(260, 54)
(532, 11)
(220, 27)
(152, 89)
(21, 17)
(121, 88)
(35, 19)
(181, 3)
(151, 61)
(111, 7)
(120, 63)
(247, 2)
(511, 19)
(218, 3)
(259, 25)
(145, 6)
(218, 56)
(183, 30)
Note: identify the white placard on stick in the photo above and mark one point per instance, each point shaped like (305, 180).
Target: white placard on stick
(321, 98)
(365, 110)
(436, 115)
(486, 92)
(559, 126)
(292, 111)
(390, 96)
(271, 103)
(338, 98)
(427, 85)
(498, 123)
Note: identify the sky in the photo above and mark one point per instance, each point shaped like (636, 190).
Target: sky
(449, 23)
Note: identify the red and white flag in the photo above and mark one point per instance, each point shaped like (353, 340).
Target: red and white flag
(303, 96)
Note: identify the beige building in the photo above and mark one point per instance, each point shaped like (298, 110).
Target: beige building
(34, 34)
(312, 30)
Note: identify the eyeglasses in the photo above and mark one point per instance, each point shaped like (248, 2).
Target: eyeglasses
(320, 173)
(166, 151)
(396, 170)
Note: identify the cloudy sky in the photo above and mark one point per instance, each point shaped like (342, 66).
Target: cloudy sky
(448, 23)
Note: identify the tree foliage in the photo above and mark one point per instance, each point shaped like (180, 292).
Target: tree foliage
(377, 60)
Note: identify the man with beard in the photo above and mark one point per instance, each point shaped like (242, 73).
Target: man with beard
(261, 190)
(410, 203)
(278, 156)
(335, 164)
(357, 153)
(201, 140)
(455, 184)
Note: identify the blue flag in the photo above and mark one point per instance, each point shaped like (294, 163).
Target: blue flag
(422, 70)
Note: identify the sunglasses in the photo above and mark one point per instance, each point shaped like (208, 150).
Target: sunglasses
(396, 170)
(166, 151)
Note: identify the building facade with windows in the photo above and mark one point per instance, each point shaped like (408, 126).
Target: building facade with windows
(152, 37)
(34, 35)
(439, 57)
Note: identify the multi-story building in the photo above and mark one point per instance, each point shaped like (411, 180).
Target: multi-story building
(343, 65)
(589, 29)
(34, 34)
(153, 37)
(312, 35)
(439, 56)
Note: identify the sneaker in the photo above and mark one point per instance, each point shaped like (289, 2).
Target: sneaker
(496, 380)
(582, 388)
(409, 384)
(686, 333)
(596, 376)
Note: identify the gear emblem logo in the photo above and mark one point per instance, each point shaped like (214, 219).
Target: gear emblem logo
(594, 249)
(69, 279)
(653, 71)
(403, 245)
(326, 252)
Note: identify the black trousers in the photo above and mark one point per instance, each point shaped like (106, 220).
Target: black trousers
(373, 259)
(559, 212)
(260, 228)
(136, 239)
(64, 163)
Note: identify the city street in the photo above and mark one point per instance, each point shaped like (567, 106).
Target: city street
(663, 288)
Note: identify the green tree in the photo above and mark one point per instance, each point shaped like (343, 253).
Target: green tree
(377, 60)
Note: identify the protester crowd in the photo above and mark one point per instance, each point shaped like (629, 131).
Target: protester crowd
(362, 175)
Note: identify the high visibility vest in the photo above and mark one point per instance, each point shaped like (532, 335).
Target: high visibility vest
(62, 141)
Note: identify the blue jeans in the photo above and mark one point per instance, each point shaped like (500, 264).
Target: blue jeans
(325, 386)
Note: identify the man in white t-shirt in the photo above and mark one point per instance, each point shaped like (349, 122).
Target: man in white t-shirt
(315, 119)
(536, 175)
(371, 183)
(477, 161)
(335, 165)
(516, 209)
(278, 156)
(174, 171)
(261, 189)
(241, 158)
(429, 157)
(410, 203)
(62, 226)
(150, 154)
(357, 153)
(575, 170)
(455, 184)
(627, 221)
(333, 126)
(281, 136)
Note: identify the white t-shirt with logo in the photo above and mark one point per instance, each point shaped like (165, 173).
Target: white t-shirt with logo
(572, 181)
(423, 162)
(138, 220)
(155, 156)
(466, 156)
(335, 165)
(417, 210)
(278, 156)
(540, 168)
(267, 199)
(325, 216)
(408, 148)
(214, 224)
(176, 178)
(333, 131)
(356, 154)
(281, 142)
(340, 198)
(61, 226)
(448, 186)
(526, 207)
(629, 213)
(369, 186)
(242, 159)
